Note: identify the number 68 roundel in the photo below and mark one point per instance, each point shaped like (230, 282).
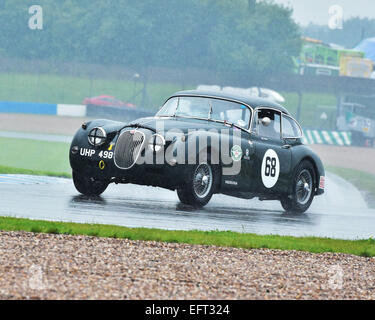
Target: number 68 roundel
(270, 169)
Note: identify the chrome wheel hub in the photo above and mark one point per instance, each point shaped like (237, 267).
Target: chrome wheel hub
(304, 187)
(205, 180)
(202, 180)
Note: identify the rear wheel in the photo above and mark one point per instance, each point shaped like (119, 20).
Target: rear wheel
(304, 184)
(201, 184)
(89, 186)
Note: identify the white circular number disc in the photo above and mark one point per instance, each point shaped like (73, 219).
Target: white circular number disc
(270, 169)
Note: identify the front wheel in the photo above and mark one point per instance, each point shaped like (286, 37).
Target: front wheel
(201, 184)
(303, 189)
(89, 186)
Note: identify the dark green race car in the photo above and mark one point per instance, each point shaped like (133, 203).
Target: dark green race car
(202, 143)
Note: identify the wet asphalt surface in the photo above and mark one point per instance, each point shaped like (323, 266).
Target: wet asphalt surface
(340, 213)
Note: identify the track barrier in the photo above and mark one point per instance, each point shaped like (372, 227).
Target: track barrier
(335, 138)
(69, 110)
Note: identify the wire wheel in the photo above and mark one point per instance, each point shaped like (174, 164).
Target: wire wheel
(202, 180)
(304, 187)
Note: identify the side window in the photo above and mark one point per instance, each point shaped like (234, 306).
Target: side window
(268, 123)
(290, 128)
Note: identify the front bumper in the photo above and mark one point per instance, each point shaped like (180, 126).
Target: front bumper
(99, 162)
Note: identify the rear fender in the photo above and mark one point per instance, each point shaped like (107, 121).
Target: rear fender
(301, 153)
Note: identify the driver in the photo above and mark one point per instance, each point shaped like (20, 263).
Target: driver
(269, 130)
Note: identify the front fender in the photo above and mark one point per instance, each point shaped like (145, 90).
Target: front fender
(80, 142)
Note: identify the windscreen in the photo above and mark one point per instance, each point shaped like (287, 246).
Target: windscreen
(207, 108)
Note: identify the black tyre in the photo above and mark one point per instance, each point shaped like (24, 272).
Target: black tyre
(89, 186)
(202, 182)
(304, 185)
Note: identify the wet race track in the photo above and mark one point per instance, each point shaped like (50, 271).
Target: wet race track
(340, 213)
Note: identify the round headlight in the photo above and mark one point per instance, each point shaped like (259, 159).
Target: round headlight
(97, 137)
(156, 143)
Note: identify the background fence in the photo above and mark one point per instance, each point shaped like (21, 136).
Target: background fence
(36, 81)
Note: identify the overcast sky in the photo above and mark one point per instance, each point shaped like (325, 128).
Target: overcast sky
(316, 11)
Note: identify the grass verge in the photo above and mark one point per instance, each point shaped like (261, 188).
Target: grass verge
(35, 155)
(364, 181)
(10, 170)
(364, 248)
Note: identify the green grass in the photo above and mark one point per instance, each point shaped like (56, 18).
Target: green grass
(313, 105)
(38, 156)
(211, 238)
(362, 180)
(10, 170)
(72, 90)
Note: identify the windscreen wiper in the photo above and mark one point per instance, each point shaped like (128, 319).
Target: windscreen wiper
(234, 125)
(137, 125)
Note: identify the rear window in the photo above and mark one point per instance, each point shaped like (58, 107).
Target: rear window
(290, 128)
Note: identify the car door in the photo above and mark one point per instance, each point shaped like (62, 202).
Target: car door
(272, 156)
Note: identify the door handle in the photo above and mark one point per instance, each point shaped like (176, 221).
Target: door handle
(286, 146)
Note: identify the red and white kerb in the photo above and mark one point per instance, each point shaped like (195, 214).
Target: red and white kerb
(322, 182)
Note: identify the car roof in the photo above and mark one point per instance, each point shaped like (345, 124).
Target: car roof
(253, 102)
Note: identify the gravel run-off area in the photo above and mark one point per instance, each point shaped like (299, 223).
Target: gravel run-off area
(44, 266)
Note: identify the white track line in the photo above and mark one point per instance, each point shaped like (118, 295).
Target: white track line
(26, 179)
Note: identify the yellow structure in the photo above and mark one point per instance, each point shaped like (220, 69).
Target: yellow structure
(355, 67)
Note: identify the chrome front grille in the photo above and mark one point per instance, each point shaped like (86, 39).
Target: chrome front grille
(128, 148)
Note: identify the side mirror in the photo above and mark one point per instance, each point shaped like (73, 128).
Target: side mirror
(266, 121)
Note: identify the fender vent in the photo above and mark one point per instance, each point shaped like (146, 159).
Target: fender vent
(128, 148)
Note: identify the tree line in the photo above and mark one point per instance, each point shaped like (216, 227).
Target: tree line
(353, 32)
(242, 38)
